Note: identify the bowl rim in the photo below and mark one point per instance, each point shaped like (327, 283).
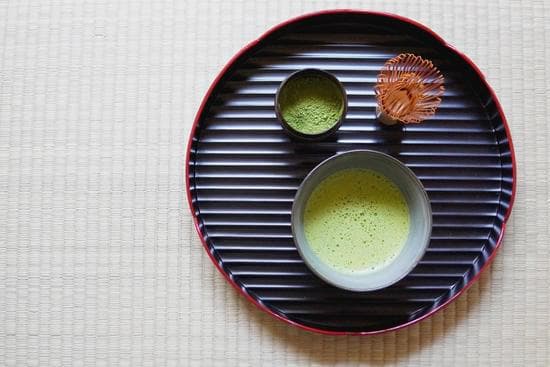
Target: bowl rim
(424, 197)
(323, 134)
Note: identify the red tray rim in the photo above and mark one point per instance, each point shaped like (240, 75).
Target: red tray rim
(253, 43)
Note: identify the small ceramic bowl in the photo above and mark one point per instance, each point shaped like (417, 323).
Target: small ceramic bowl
(419, 210)
(304, 73)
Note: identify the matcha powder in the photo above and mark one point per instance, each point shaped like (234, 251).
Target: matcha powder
(311, 104)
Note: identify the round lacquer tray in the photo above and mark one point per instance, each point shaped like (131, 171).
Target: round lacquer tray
(243, 170)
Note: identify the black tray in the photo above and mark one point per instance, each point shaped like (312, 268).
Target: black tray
(242, 170)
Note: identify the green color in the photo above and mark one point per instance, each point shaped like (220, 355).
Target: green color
(311, 104)
(356, 220)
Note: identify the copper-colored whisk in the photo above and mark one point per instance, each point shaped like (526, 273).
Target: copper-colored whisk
(408, 90)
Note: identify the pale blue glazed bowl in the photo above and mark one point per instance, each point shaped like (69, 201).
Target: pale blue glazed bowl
(419, 210)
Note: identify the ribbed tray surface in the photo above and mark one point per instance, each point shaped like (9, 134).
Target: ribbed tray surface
(244, 171)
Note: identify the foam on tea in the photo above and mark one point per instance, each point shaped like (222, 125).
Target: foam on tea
(356, 220)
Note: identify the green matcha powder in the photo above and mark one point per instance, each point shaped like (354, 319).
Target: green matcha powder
(311, 104)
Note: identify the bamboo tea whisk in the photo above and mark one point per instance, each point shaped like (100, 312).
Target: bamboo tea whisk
(408, 90)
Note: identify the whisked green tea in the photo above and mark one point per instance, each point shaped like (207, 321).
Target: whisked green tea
(356, 220)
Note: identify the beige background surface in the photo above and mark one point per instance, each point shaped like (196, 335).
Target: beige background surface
(99, 264)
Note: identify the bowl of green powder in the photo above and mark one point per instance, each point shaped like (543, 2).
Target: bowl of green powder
(361, 220)
(311, 104)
